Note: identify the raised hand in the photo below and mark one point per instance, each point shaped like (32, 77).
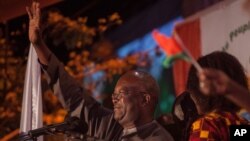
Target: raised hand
(35, 37)
(34, 24)
(214, 82)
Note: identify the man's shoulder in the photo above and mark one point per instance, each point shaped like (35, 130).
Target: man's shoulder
(159, 138)
(159, 133)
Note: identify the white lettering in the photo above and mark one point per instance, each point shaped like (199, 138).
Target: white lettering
(240, 132)
(243, 131)
(237, 132)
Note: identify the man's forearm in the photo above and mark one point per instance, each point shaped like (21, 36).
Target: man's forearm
(43, 52)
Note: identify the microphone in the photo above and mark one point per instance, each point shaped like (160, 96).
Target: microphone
(77, 125)
(71, 124)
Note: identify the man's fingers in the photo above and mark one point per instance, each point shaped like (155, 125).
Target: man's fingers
(32, 8)
(29, 12)
(37, 11)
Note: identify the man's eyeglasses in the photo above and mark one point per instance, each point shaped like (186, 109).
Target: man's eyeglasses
(125, 93)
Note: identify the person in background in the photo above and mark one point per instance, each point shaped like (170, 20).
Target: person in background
(216, 82)
(184, 113)
(216, 112)
(135, 97)
(179, 121)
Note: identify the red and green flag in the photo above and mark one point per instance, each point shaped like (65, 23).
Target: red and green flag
(171, 48)
(174, 48)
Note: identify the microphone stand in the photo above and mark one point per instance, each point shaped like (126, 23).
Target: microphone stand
(72, 127)
(32, 135)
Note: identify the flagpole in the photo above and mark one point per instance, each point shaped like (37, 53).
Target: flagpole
(182, 45)
(31, 115)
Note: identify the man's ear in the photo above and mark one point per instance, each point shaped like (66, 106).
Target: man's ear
(146, 99)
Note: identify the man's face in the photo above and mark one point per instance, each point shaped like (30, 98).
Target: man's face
(127, 99)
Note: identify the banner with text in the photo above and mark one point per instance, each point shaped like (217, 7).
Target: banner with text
(227, 27)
